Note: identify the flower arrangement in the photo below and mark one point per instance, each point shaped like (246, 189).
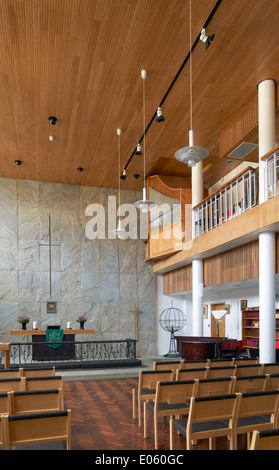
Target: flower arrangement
(23, 319)
(81, 319)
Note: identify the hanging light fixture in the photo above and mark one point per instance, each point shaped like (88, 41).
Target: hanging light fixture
(119, 231)
(193, 154)
(160, 116)
(144, 205)
(138, 151)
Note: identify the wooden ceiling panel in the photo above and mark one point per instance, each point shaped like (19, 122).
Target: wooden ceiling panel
(80, 60)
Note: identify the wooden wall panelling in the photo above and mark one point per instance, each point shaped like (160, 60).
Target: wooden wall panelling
(277, 253)
(179, 280)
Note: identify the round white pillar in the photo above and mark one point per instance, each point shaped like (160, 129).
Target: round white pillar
(197, 264)
(266, 112)
(267, 296)
(266, 127)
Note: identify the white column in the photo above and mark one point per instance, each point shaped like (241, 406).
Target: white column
(267, 296)
(197, 264)
(266, 113)
(266, 108)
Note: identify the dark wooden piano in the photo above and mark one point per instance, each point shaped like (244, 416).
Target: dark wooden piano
(195, 348)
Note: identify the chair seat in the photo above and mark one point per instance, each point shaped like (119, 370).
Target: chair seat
(167, 406)
(180, 425)
(253, 420)
(146, 391)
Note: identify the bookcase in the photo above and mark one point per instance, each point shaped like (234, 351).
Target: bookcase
(251, 327)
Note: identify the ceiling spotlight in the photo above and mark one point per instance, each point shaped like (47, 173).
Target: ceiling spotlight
(136, 176)
(123, 176)
(51, 138)
(138, 151)
(160, 116)
(18, 162)
(52, 120)
(206, 39)
(80, 169)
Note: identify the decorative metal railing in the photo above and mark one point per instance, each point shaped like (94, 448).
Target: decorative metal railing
(238, 196)
(71, 351)
(272, 174)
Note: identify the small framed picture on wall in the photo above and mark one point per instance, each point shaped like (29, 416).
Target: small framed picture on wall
(243, 304)
(205, 312)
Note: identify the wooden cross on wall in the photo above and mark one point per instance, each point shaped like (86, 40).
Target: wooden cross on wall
(135, 311)
(50, 245)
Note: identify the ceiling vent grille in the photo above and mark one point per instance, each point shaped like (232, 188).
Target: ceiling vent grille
(242, 150)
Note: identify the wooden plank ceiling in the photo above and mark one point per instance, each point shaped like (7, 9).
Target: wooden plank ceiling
(81, 61)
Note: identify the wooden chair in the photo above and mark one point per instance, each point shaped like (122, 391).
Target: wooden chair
(253, 383)
(38, 372)
(209, 418)
(44, 383)
(217, 386)
(272, 381)
(191, 374)
(171, 398)
(147, 388)
(36, 401)
(249, 369)
(10, 373)
(5, 407)
(221, 362)
(195, 364)
(257, 411)
(36, 428)
(265, 440)
(272, 368)
(163, 365)
(215, 372)
(13, 383)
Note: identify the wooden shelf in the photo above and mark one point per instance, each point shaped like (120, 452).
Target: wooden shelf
(251, 327)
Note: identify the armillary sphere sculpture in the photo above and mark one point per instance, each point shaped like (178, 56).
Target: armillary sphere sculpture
(172, 319)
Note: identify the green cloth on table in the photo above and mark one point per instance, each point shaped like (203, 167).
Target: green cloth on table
(55, 337)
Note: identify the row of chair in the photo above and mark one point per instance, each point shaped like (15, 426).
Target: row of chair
(35, 429)
(22, 372)
(185, 364)
(32, 383)
(265, 440)
(173, 397)
(227, 415)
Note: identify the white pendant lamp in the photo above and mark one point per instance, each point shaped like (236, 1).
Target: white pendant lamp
(144, 205)
(192, 154)
(119, 232)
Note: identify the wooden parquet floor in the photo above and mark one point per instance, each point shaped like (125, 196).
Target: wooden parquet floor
(102, 419)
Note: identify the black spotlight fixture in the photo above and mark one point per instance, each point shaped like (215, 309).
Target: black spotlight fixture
(206, 39)
(136, 176)
(80, 169)
(52, 120)
(18, 162)
(160, 116)
(138, 151)
(123, 176)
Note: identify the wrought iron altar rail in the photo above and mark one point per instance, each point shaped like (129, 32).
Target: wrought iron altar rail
(71, 351)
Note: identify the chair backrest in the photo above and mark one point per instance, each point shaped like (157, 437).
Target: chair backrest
(272, 381)
(265, 440)
(36, 428)
(148, 379)
(39, 372)
(253, 383)
(255, 404)
(174, 392)
(221, 362)
(13, 383)
(217, 386)
(36, 401)
(10, 373)
(44, 383)
(195, 364)
(163, 365)
(249, 369)
(191, 374)
(272, 368)
(247, 361)
(215, 372)
(4, 403)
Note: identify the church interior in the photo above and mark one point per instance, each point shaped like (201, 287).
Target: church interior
(139, 225)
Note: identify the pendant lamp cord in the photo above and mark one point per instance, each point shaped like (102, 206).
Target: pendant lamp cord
(119, 170)
(143, 94)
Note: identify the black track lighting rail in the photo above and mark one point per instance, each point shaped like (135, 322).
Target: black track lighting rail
(218, 3)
